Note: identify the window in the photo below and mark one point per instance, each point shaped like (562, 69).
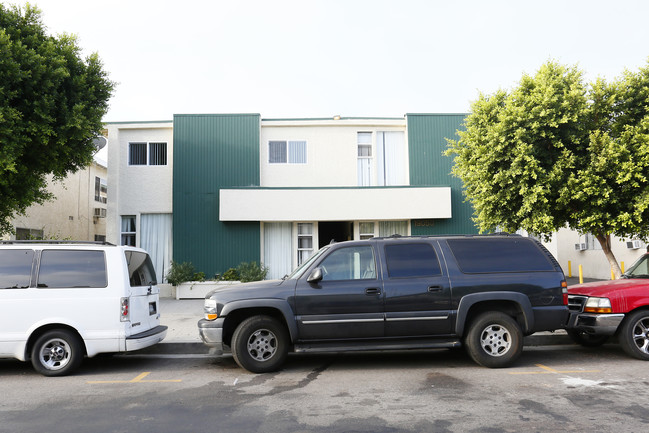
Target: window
(128, 230)
(592, 243)
(391, 158)
(389, 228)
(352, 263)
(304, 242)
(366, 230)
(101, 189)
(15, 268)
(28, 234)
(100, 238)
(364, 140)
(499, 255)
(137, 154)
(140, 269)
(157, 153)
(72, 269)
(411, 260)
(282, 152)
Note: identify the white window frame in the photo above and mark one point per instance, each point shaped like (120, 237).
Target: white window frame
(362, 235)
(296, 241)
(365, 179)
(123, 233)
(148, 153)
(296, 152)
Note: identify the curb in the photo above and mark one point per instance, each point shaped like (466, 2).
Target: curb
(198, 348)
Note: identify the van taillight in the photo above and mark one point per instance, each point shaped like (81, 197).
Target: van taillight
(564, 289)
(124, 313)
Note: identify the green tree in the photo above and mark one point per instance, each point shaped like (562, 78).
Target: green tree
(557, 152)
(51, 105)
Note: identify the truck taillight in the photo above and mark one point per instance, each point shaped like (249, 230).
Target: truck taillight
(564, 289)
(124, 312)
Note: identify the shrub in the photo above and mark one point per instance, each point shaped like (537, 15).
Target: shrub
(181, 272)
(230, 275)
(251, 272)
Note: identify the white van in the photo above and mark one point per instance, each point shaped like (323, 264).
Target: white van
(61, 301)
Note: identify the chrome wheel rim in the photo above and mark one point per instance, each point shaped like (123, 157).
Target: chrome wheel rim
(641, 335)
(55, 354)
(262, 345)
(495, 340)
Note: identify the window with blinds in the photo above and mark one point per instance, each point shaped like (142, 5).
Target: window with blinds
(154, 153)
(287, 152)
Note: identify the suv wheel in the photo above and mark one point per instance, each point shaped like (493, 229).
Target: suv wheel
(57, 353)
(634, 335)
(260, 344)
(585, 339)
(494, 340)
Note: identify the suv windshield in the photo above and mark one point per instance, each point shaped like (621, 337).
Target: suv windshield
(639, 269)
(297, 273)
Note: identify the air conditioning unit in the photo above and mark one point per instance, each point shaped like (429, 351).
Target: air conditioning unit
(100, 212)
(633, 245)
(581, 246)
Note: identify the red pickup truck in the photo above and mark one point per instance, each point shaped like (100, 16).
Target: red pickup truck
(620, 307)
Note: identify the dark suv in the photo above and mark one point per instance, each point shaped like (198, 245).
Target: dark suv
(485, 292)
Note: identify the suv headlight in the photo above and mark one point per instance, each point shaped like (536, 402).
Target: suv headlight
(598, 305)
(210, 309)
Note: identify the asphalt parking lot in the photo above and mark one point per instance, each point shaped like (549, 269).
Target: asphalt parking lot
(565, 387)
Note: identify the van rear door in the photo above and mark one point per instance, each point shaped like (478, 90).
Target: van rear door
(143, 305)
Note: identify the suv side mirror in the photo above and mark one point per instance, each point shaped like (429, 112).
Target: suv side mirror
(315, 276)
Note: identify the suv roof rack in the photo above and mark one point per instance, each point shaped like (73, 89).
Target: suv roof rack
(444, 236)
(56, 242)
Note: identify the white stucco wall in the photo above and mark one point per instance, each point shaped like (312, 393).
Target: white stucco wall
(332, 153)
(138, 189)
(593, 262)
(69, 215)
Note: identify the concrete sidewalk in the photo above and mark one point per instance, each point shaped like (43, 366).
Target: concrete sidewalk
(181, 318)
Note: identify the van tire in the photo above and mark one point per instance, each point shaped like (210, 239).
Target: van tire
(57, 353)
(494, 340)
(260, 344)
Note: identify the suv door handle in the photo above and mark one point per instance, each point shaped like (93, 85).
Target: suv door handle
(373, 291)
(434, 289)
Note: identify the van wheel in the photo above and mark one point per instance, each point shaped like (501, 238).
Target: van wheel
(634, 335)
(585, 339)
(57, 353)
(260, 344)
(494, 340)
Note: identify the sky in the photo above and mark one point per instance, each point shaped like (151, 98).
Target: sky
(354, 58)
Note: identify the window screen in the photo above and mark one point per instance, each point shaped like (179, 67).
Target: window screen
(137, 154)
(277, 152)
(499, 255)
(411, 260)
(71, 268)
(297, 152)
(157, 153)
(15, 268)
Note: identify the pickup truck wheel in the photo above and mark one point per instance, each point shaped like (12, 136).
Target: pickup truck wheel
(634, 335)
(585, 339)
(494, 340)
(57, 353)
(260, 344)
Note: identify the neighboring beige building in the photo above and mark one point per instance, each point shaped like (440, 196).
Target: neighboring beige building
(77, 211)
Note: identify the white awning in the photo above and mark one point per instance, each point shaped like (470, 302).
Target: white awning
(334, 204)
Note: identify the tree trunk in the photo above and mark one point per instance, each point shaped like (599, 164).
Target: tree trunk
(605, 242)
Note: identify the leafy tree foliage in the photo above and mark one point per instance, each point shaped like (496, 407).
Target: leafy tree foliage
(556, 151)
(51, 105)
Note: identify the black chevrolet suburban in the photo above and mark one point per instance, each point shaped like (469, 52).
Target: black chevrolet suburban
(484, 292)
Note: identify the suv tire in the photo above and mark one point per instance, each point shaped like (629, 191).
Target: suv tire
(57, 353)
(494, 339)
(260, 344)
(634, 335)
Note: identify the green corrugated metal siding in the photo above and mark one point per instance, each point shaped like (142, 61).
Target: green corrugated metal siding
(427, 134)
(213, 152)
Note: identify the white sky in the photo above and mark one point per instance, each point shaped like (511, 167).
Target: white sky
(301, 58)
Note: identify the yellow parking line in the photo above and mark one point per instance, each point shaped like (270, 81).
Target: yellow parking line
(138, 379)
(548, 370)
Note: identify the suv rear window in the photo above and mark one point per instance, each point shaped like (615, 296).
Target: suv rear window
(481, 255)
(140, 269)
(15, 268)
(72, 268)
(411, 260)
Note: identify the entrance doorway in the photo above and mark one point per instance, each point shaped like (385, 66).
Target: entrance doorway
(334, 230)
